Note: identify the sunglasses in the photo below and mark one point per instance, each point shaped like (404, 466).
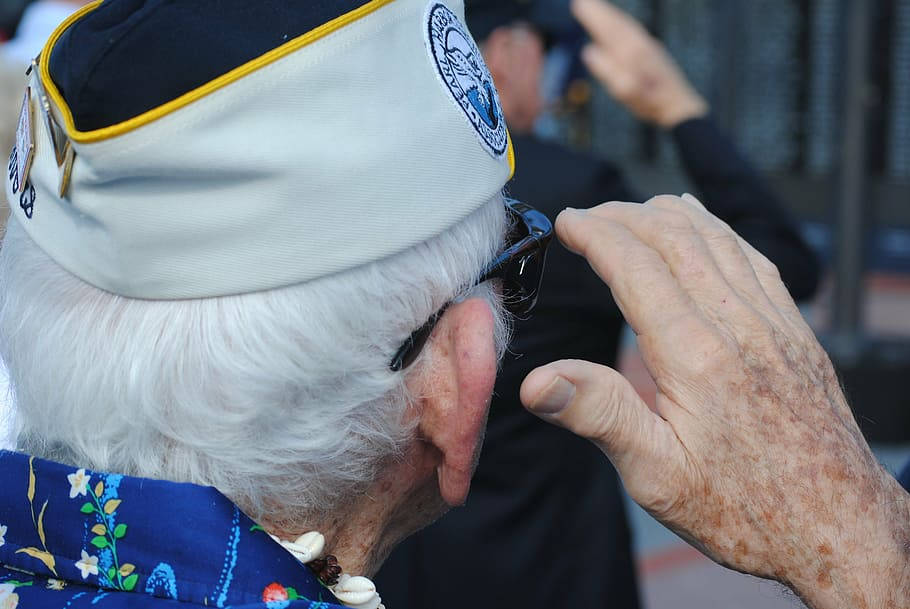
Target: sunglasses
(519, 268)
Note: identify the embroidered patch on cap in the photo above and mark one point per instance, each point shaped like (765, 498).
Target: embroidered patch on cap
(462, 70)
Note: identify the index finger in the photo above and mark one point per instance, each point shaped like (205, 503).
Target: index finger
(606, 24)
(647, 293)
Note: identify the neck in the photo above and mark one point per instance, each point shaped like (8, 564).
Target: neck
(392, 508)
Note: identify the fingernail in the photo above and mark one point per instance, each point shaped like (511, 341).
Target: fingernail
(687, 197)
(573, 210)
(555, 398)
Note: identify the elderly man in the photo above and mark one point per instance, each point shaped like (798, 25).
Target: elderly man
(247, 310)
(222, 275)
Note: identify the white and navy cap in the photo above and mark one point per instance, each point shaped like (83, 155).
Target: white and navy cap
(174, 150)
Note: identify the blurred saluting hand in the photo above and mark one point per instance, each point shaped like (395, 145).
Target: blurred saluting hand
(752, 454)
(634, 67)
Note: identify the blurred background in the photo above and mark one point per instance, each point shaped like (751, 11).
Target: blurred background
(817, 94)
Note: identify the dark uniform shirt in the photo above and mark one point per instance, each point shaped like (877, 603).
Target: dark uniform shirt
(545, 523)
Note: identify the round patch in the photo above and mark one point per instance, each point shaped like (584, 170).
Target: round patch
(462, 70)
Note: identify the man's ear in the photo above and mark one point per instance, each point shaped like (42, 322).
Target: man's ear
(455, 388)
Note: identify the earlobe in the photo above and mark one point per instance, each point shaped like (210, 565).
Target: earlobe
(453, 484)
(457, 395)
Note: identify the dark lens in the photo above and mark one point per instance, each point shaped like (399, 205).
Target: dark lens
(521, 282)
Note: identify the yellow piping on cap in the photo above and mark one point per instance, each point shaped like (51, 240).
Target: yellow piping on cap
(511, 154)
(88, 137)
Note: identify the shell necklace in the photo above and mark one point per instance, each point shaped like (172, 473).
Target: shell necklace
(357, 592)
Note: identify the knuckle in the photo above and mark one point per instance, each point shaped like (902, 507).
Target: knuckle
(729, 241)
(723, 225)
(729, 252)
(669, 202)
(583, 236)
(675, 221)
(689, 257)
(765, 267)
(691, 270)
(710, 354)
(705, 348)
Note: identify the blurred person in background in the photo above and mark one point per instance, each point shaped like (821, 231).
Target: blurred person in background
(27, 26)
(10, 16)
(38, 19)
(539, 491)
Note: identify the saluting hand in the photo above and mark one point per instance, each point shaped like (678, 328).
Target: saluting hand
(634, 67)
(752, 453)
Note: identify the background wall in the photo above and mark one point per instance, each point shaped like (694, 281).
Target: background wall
(817, 93)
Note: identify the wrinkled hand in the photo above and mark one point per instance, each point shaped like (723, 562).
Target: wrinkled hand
(634, 67)
(752, 454)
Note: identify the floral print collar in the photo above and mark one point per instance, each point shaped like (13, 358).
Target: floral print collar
(73, 538)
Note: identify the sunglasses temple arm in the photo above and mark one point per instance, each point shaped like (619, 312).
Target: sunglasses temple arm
(412, 347)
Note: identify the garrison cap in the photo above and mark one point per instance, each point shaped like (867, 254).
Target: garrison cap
(550, 17)
(484, 16)
(174, 150)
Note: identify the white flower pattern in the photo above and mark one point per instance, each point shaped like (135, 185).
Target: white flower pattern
(78, 483)
(8, 598)
(2, 534)
(87, 565)
(10, 602)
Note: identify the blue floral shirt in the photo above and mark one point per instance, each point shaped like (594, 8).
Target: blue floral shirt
(74, 538)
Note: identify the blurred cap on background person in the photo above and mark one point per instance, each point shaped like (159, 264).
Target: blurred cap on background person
(534, 72)
(551, 18)
(29, 24)
(10, 14)
(484, 16)
(25, 25)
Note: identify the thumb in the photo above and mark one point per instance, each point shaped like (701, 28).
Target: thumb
(598, 403)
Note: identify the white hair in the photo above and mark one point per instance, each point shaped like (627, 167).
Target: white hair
(283, 400)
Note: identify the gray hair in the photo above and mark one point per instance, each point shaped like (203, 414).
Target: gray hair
(283, 400)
